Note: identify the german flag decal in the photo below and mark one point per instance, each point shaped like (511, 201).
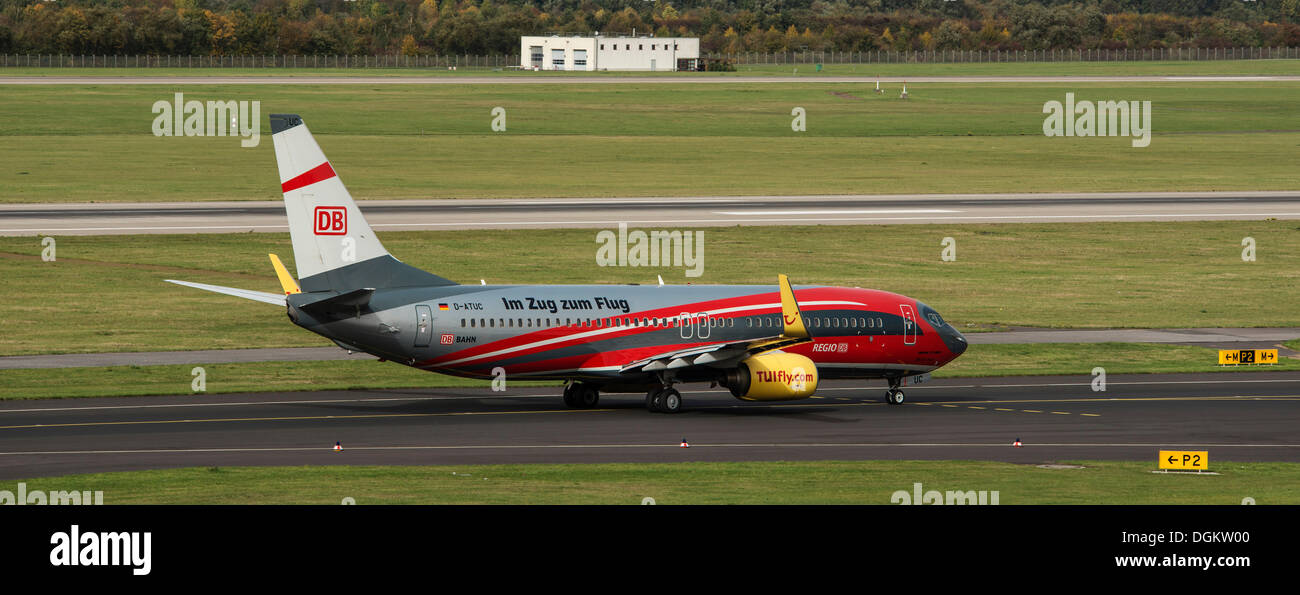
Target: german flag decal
(443, 307)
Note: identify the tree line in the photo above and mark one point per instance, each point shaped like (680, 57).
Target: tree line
(488, 27)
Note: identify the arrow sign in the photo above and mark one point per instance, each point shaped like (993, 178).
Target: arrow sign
(1184, 460)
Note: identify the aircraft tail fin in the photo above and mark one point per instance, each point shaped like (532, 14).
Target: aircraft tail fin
(334, 247)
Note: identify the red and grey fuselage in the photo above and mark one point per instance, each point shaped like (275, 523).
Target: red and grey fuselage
(593, 332)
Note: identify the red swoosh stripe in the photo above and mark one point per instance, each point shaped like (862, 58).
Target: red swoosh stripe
(319, 173)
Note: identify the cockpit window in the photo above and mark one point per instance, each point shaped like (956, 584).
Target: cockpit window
(930, 314)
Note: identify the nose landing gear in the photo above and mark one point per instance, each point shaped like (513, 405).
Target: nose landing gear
(894, 396)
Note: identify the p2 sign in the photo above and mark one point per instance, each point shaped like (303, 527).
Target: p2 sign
(331, 221)
(1185, 460)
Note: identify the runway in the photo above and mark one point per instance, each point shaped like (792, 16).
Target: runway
(1236, 417)
(703, 211)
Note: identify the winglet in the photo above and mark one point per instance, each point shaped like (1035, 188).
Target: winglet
(794, 327)
(286, 280)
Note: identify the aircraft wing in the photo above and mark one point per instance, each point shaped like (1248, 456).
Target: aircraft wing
(719, 355)
(269, 298)
(723, 355)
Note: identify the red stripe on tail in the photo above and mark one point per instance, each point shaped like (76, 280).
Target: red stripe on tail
(319, 173)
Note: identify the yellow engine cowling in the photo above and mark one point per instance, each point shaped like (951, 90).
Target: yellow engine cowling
(772, 376)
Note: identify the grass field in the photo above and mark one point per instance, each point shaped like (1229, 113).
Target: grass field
(94, 142)
(980, 360)
(1142, 275)
(864, 482)
(1149, 68)
(122, 381)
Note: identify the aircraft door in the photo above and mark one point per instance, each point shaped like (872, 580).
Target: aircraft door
(909, 324)
(423, 325)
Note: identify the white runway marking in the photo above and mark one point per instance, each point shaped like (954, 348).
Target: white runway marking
(839, 212)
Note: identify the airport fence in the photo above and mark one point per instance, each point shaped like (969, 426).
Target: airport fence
(501, 62)
(974, 56)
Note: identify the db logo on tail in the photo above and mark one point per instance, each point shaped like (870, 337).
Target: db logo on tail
(331, 221)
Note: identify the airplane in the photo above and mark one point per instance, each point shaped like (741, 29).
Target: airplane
(761, 342)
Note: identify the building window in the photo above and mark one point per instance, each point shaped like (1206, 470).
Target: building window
(557, 58)
(652, 46)
(602, 46)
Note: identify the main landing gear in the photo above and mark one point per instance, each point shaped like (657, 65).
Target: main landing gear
(894, 396)
(663, 399)
(660, 399)
(580, 395)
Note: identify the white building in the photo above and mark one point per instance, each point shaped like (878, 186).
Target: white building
(600, 52)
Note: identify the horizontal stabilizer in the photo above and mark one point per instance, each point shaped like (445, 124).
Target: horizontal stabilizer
(257, 296)
(352, 299)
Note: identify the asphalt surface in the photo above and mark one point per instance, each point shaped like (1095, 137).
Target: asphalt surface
(383, 215)
(1235, 416)
(554, 79)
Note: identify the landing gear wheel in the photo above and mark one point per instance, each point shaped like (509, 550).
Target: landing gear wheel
(894, 397)
(670, 401)
(587, 397)
(579, 395)
(650, 397)
(654, 400)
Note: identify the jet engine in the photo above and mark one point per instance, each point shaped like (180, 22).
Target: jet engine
(772, 376)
